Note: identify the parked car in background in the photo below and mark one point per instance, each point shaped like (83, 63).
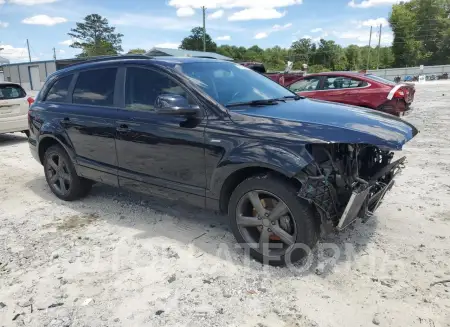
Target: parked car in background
(364, 90)
(14, 104)
(217, 135)
(282, 78)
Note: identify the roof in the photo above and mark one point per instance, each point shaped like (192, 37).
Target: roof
(158, 52)
(348, 73)
(165, 61)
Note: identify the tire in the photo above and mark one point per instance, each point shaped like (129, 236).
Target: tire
(300, 215)
(59, 170)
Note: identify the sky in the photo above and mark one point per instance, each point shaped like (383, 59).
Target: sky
(164, 23)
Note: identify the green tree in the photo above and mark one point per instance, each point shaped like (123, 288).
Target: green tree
(95, 37)
(421, 32)
(137, 51)
(353, 54)
(303, 50)
(195, 41)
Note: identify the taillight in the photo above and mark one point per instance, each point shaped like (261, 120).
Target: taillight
(399, 94)
(30, 101)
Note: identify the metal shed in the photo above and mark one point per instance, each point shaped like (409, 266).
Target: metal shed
(32, 75)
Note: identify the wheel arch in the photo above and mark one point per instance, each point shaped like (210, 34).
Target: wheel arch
(48, 140)
(239, 175)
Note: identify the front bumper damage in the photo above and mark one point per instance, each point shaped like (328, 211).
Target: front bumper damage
(366, 196)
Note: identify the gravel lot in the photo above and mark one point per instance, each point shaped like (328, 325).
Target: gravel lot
(121, 259)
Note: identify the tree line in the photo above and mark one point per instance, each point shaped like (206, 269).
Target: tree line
(421, 37)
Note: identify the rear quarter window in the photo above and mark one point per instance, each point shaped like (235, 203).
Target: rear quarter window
(11, 91)
(59, 90)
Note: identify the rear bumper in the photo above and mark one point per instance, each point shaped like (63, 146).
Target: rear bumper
(33, 149)
(14, 124)
(396, 107)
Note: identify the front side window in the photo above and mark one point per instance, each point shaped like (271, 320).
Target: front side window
(341, 82)
(305, 85)
(95, 87)
(143, 86)
(58, 92)
(230, 83)
(9, 92)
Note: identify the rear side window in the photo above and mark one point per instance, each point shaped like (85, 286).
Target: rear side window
(11, 91)
(342, 82)
(58, 92)
(95, 87)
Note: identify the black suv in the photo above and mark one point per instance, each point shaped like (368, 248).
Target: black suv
(217, 135)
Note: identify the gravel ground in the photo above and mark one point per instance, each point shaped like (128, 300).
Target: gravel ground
(121, 259)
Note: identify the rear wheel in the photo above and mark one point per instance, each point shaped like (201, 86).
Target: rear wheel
(269, 220)
(61, 175)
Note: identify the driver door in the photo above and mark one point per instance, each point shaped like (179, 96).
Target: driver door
(157, 153)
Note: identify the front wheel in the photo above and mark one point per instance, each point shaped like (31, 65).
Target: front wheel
(62, 177)
(269, 220)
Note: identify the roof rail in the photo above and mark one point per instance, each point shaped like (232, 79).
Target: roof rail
(105, 58)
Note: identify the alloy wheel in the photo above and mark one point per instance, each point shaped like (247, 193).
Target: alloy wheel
(58, 174)
(266, 223)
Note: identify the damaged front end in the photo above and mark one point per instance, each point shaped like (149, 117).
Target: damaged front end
(347, 181)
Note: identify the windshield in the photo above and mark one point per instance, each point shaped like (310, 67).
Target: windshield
(230, 83)
(380, 79)
(11, 91)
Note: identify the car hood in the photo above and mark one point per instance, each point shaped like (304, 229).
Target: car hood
(312, 121)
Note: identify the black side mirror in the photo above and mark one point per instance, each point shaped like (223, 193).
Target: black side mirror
(175, 104)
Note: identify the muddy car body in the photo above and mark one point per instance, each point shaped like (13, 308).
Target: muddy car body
(221, 136)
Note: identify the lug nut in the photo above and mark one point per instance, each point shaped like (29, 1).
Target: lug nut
(273, 223)
(269, 230)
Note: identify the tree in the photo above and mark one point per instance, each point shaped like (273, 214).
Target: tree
(95, 37)
(421, 32)
(353, 54)
(137, 51)
(195, 41)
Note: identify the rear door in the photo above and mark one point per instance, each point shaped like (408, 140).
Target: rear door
(87, 112)
(13, 100)
(307, 87)
(345, 89)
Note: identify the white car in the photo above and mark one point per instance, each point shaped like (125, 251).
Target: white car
(14, 104)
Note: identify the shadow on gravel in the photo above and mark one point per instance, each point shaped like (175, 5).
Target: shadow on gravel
(12, 138)
(207, 230)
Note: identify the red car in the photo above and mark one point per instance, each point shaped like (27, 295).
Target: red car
(282, 78)
(364, 90)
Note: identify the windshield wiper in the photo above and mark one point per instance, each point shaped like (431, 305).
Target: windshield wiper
(294, 97)
(262, 102)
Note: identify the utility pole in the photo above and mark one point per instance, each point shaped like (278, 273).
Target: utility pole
(370, 42)
(204, 28)
(29, 54)
(54, 54)
(379, 46)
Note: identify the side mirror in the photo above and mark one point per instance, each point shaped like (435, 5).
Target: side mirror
(175, 104)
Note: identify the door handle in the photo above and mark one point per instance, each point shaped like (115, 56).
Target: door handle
(122, 128)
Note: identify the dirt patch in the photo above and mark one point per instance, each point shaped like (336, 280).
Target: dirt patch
(77, 221)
